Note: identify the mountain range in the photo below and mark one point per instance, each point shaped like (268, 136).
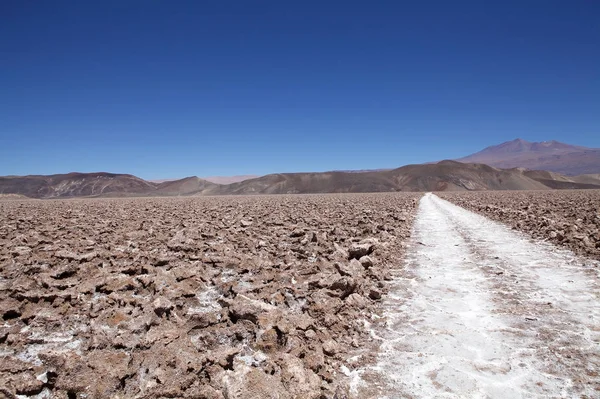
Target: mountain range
(501, 167)
(552, 156)
(442, 176)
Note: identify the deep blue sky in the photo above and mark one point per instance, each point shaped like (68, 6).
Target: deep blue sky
(176, 88)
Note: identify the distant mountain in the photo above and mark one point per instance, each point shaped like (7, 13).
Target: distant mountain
(100, 184)
(215, 179)
(229, 179)
(557, 181)
(552, 156)
(592, 178)
(74, 185)
(12, 197)
(442, 176)
(187, 186)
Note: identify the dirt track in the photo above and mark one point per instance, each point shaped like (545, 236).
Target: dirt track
(480, 311)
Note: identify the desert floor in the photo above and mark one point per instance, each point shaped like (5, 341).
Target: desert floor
(302, 296)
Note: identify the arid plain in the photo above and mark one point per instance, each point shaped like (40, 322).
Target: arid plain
(222, 297)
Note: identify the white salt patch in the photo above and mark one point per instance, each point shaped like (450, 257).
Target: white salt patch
(207, 300)
(253, 359)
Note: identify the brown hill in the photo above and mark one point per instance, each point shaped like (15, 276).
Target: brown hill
(74, 185)
(593, 178)
(100, 185)
(12, 197)
(300, 183)
(457, 176)
(229, 179)
(442, 176)
(548, 155)
(187, 186)
(557, 181)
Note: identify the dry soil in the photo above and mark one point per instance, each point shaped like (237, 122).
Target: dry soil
(243, 297)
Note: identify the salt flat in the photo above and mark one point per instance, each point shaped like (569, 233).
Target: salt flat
(482, 311)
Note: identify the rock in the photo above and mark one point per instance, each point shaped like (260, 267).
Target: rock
(223, 356)
(357, 251)
(297, 233)
(330, 347)
(302, 321)
(64, 254)
(88, 256)
(268, 341)
(356, 300)
(202, 320)
(315, 360)
(11, 308)
(244, 308)
(352, 269)
(245, 223)
(117, 283)
(181, 243)
(366, 261)
(26, 385)
(299, 381)
(21, 251)
(245, 382)
(374, 294)
(162, 306)
(65, 271)
(161, 261)
(344, 285)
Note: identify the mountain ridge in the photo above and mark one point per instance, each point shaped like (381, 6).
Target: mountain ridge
(553, 156)
(447, 175)
(505, 166)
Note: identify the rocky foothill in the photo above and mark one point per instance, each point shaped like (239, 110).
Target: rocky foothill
(569, 218)
(214, 297)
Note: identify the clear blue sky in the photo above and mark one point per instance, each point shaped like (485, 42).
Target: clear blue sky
(166, 89)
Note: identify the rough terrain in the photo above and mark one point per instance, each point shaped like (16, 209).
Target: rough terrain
(569, 218)
(215, 297)
(482, 311)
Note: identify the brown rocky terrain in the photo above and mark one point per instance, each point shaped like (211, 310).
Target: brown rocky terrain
(204, 297)
(569, 218)
(551, 156)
